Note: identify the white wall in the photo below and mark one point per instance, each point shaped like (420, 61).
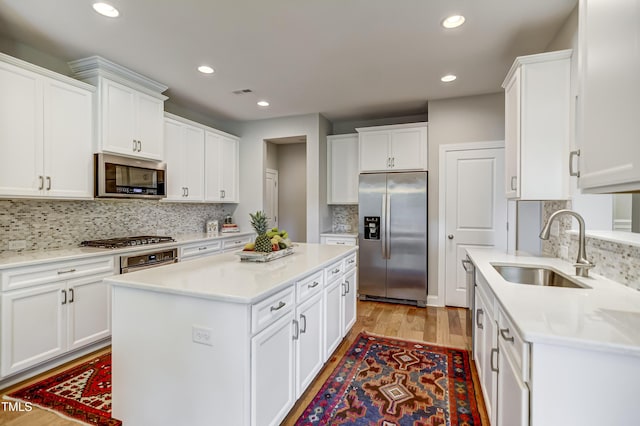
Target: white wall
(292, 192)
(253, 160)
(457, 120)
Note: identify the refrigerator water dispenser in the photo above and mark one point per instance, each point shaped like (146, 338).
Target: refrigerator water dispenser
(372, 227)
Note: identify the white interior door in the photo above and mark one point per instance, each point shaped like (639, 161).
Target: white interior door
(475, 212)
(271, 207)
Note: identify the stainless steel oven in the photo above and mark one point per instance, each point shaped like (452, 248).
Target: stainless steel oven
(151, 259)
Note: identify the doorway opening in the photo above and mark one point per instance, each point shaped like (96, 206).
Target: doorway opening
(285, 191)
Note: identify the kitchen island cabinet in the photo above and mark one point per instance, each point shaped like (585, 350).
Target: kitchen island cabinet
(245, 339)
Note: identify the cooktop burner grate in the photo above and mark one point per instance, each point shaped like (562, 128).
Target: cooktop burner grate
(127, 241)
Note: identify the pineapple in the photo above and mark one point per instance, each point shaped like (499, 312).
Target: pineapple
(260, 222)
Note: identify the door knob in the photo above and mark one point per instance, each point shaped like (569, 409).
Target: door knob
(450, 236)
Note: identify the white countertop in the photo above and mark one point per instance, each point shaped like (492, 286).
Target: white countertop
(224, 277)
(26, 258)
(603, 317)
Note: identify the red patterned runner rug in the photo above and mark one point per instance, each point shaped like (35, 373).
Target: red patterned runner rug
(81, 393)
(387, 382)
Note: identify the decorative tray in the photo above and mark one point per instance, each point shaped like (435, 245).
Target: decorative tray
(254, 256)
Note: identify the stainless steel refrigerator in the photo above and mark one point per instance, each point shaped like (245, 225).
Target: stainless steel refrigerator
(392, 216)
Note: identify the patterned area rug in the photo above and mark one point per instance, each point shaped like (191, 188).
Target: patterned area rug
(387, 382)
(80, 393)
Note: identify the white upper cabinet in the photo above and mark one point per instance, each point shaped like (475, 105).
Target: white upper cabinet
(537, 126)
(131, 109)
(393, 148)
(222, 167)
(184, 152)
(46, 124)
(608, 135)
(342, 169)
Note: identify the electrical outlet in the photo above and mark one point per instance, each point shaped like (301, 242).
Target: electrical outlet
(555, 229)
(17, 245)
(202, 335)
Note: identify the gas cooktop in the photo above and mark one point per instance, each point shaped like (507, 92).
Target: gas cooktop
(126, 241)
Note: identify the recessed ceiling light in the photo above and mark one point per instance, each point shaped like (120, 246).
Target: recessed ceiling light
(448, 78)
(205, 69)
(263, 103)
(453, 21)
(106, 9)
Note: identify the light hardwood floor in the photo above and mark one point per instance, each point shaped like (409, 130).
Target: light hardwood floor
(441, 326)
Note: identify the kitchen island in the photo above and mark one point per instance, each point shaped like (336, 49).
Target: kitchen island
(220, 341)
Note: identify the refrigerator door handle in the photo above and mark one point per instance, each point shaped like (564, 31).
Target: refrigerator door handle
(387, 225)
(383, 227)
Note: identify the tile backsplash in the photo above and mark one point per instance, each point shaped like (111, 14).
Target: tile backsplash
(46, 225)
(344, 218)
(616, 261)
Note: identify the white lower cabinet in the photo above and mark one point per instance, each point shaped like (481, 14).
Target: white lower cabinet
(42, 321)
(513, 393)
(332, 309)
(272, 372)
(349, 300)
(485, 348)
(309, 341)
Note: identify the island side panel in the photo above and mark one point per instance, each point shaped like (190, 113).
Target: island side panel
(162, 377)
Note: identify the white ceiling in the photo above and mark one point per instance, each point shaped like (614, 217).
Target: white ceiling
(346, 59)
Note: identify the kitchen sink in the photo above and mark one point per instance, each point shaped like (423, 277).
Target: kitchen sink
(535, 275)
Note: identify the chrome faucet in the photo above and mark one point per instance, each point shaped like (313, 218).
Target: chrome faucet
(582, 264)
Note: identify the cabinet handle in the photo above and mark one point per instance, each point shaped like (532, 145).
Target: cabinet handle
(393, 162)
(494, 368)
(504, 332)
(64, 293)
(340, 242)
(314, 285)
(68, 271)
(572, 154)
(303, 329)
(478, 313)
(187, 191)
(72, 294)
(348, 286)
(277, 308)
(135, 145)
(48, 183)
(297, 326)
(335, 271)
(201, 248)
(139, 146)
(514, 183)
(344, 290)
(41, 182)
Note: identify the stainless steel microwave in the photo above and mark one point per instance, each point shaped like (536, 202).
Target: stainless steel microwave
(123, 177)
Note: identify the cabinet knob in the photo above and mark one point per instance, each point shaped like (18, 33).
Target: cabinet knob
(450, 236)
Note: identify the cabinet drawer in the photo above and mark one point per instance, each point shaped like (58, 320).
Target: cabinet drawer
(516, 349)
(200, 249)
(340, 241)
(55, 271)
(350, 262)
(270, 309)
(334, 271)
(236, 243)
(309, 286)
